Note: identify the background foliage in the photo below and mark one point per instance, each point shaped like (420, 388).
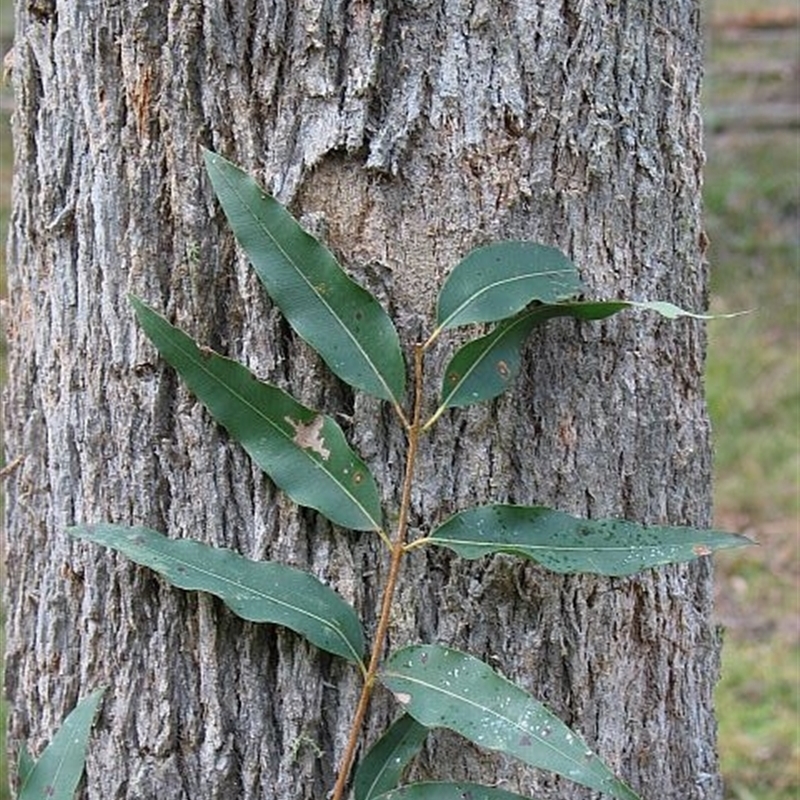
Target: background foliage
(753, 383)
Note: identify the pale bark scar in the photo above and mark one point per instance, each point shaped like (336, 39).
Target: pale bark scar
(308, 436)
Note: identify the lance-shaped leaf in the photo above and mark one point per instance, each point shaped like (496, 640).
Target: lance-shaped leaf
(567, 544)
(600, 309)
(448, 791)
(258, 591)
(383, 766)
(484, 368)
(304, 452)
(56, 774)
(446, 688)
(341, 320)
(496, 281)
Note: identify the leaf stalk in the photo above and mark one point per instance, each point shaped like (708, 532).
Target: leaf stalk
(398, 551)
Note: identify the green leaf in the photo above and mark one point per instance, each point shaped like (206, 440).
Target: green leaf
(55, 776)
(25, 763)
(671, 311)
(568, 544)
(448, 791)
(304, 452)
(446, 688)
(383, 766)
(341, 320)
(600, 309)
(484, 368)
(259, 591)
(496, 281)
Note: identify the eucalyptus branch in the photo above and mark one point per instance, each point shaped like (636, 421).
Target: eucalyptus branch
(513, 287)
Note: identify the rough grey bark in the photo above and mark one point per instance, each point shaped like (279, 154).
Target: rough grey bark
(406, 133)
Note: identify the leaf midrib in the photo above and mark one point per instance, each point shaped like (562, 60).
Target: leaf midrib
(317, 464)
(490, 345)
(493, 713)
(502, 282)
(262, 226)
(555, 548)
(258, 592)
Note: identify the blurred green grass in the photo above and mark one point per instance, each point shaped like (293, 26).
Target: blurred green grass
(752, 203)
(753, 388)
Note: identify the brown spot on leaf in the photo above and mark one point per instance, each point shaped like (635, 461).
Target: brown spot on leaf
(503, 370)
(309, 436)
(701, 550)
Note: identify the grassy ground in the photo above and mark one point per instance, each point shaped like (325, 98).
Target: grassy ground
(754, 395)
(753, 380)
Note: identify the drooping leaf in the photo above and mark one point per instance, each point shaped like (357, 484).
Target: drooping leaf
(305, 453)
(258, 591)
(600, 309)
(567, 544)
(56, 774)
(341, 320)
(446, 688)
(383, 766)
(671, 311)
(448, 791)
(485, 367)
(496, 281)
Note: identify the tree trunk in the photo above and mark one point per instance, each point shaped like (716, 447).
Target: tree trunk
(404, 134)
